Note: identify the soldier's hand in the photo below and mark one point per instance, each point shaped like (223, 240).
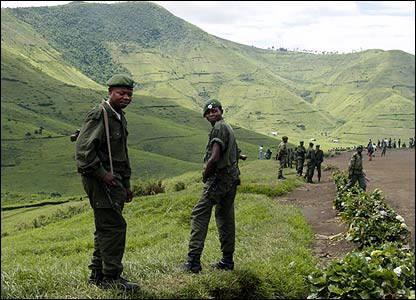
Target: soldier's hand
(109, 179)
(129, 195)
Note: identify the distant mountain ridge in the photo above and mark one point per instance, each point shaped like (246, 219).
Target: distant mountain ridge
(264, 90)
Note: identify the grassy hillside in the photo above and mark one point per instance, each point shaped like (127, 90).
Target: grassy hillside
(272, 247)
(297, 94)
(47, 88)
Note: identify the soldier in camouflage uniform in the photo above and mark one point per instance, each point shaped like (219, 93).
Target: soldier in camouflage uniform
(355, 170)
(300, 158)
(289, 157)
(221, 177)
(310, 163)
(282, 154)
(107, 191)
(319, 158)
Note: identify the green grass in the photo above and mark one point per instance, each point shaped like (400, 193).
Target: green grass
(48, 258)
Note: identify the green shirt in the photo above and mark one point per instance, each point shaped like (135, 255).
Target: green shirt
(300, 152)
(310, 154)
(223, 134)
(282, 150)
(91, 148)
(319, 156)
(356, 164)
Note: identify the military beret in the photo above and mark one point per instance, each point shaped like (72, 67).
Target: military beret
(284, 137)
(360, 147)
(121, 80)
(211, 104)
(301, 142)
(318, 146)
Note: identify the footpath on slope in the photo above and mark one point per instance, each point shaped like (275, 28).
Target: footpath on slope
(393, 174)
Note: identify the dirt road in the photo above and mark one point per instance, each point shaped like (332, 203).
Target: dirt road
(394, 174)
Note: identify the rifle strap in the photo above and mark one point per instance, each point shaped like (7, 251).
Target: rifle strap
(107, 133)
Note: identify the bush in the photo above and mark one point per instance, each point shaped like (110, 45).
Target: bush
(179, 186)
(385, 272)
(149, 187)
(371, 220)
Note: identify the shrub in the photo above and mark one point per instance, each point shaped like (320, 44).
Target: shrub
(371, 220)
(149, 187)
(385, 272)
(179, 186)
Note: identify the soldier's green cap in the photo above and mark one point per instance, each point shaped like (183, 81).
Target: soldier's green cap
(360, 147)
(121, 80)
(284, 137)
(318, 146)
(301, 142)
(211, 104)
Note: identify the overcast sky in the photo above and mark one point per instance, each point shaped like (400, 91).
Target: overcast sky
(342, 26)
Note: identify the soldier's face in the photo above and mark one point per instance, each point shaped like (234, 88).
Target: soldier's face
(120, 97)
(213, 115)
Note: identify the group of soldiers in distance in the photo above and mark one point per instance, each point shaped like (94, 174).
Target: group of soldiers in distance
(298, 156)
(385, 144)
(314, 157)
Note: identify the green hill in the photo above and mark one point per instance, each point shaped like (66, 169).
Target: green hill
(298, 94)
(54, 61)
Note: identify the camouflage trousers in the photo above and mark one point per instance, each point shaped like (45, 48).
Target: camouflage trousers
(353, 179)
(219, 193)
(318, 168)
(110, 226)
(310, 170)
(282, 165)
(299, 166)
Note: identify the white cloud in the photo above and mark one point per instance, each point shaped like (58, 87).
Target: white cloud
(327, 26)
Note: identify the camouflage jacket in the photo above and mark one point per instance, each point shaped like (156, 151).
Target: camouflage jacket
(282, 151)
(300, 152)
(355, 166)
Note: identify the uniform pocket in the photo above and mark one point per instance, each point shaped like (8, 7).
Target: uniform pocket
(117, 193)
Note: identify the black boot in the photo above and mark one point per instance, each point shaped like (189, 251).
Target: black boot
(118, 282)
(96, 277)
(226, 263)
(192, 265)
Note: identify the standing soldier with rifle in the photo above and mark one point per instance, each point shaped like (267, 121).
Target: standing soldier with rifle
(319, 158)
(221, 177)
(300, 158)
(102, 160)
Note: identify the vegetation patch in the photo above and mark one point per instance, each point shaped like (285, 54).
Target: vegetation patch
(383, 267)
(377, 272)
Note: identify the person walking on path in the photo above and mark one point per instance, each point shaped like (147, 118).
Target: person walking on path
(370, 150)
(319, 158)
(102, 160)
(383, 148)
(310, 163)
(355, 170)
(221, 176)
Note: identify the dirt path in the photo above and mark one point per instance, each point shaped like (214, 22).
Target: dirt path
(393, 174)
